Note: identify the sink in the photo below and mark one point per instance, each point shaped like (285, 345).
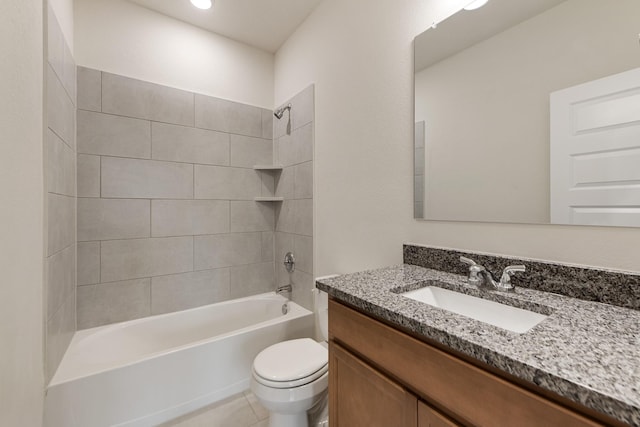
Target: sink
(491, 312)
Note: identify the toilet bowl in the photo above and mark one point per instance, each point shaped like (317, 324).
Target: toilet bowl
(291, 377)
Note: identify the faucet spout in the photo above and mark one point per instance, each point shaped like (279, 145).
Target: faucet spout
(284, 289)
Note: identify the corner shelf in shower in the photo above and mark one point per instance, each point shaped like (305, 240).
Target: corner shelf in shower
(268, 199)
(268, 167)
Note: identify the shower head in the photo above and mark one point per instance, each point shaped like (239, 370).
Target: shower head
(280, 111)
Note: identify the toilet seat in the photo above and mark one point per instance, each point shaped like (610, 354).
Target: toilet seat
(291, 363)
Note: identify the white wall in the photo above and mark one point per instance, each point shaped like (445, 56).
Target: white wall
(360, 55)
(127, 39)
(21, 214)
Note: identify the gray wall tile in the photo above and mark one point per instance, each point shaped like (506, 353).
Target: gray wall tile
(267, 123)
(283, 244)
(303, 144)
(286, 217)
(69, 77)
(61, 113)
(61, 166)
(302, 284)
(189, 217)
(284, 150)
(303, 217)
(135, 98)
(60, 329)
(303, 181)
(113, 302)
(88, 263)
(224, 250)
(190, 145)
(129, 259)
(61, 222)
(224, 235)
(247, 151)
(284, 183)
(88, 175)
(297, 147)
(218, 182)
(251, 279)
(267, 179)
(110, 219)
(89, 89)
(252, 216)
(228, 116)
(418, 161)
(267, 245)
(110, 135)
(61, 278)
(303, 249)
(132, 178)
(189, 290)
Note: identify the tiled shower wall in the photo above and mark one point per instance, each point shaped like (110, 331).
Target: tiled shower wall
(166, 216)
(293, 148)
(60, 203)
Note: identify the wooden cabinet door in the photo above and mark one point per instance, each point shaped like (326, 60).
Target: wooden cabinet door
(360, 396)
(429, 417)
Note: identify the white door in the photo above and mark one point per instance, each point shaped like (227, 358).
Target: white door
(595, 152)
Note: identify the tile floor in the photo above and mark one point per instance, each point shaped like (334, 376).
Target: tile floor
(241, 410)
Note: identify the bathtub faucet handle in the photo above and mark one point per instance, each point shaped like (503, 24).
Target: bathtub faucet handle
(290, 262)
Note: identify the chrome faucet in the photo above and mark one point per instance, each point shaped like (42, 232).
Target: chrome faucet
(483, 279)
(284, 288)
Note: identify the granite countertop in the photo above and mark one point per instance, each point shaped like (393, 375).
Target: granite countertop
(588, 352)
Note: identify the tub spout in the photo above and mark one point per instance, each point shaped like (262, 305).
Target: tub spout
(284, 288)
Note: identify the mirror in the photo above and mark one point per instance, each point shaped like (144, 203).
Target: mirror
(493, 144)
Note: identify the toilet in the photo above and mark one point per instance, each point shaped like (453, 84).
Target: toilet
(292, 377)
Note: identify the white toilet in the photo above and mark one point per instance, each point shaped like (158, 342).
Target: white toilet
(291, 377)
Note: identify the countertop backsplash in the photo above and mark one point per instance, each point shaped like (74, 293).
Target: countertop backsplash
(591, 284)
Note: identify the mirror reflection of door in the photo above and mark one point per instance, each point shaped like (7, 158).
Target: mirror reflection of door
(595, 152)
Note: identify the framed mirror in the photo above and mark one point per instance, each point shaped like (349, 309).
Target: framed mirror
(528, 111)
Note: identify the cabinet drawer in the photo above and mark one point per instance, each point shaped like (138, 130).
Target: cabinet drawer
(472, 395)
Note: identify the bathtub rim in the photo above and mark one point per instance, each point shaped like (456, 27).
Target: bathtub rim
(295, 311)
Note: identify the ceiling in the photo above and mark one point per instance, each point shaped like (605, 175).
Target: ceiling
(265, 24)
(466, 28)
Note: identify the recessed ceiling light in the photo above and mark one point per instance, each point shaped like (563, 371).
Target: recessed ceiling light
(473, 5)
(201, 4)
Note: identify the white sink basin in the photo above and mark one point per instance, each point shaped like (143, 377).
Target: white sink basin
(500, 315)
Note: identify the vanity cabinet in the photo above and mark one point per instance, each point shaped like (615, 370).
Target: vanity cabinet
(380, 376)
(367, 397)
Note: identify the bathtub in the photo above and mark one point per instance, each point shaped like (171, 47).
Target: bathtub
(147, 371)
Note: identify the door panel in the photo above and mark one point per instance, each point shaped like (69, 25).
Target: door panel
(595, 152)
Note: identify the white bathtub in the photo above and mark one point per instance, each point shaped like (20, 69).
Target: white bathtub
(147, 371)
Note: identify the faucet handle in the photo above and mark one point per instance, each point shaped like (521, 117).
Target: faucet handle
(474, 271)
(505, 280)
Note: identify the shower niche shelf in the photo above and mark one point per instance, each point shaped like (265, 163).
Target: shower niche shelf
(268, 167)
(268, 199)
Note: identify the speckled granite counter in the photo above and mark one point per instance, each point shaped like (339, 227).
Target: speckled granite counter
(585, 351)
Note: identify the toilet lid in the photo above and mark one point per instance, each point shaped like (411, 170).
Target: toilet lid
(291, 362)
